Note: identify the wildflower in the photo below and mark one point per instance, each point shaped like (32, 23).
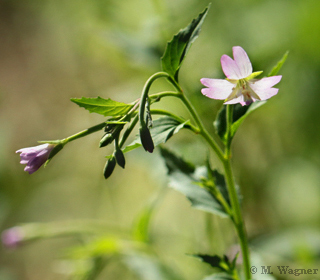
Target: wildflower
(34, 157)
(240, 85)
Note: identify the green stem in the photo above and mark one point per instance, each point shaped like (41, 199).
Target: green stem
(237, 215)
(237, 218)
(145, 91)
(229, 119)
(83, 133)
(203, 132)
(159, 95)
(128, 131)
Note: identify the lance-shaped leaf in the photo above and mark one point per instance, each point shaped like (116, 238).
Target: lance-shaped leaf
(162, 130)
(178, 47)
(105, 107)
(141, 228)
(187, 179)
(240, 113)
(279, 65)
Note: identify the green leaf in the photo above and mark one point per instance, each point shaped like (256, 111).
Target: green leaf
(185, 178)
(150, 268)
(222, 263)
(219, 276)
(105, 107)
(141, 226)
(178, 47)
(215, 261)
(240, 113)
(162, 130)
(277, 68)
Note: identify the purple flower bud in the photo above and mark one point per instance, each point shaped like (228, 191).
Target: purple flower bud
(34, 157)
(12, 237)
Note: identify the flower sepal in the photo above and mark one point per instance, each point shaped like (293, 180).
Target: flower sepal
(253, 75)
(54, 151)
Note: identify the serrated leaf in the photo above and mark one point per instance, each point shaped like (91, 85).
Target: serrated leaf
(277, 68)
(105, 107)
(178, 47)
(219, 276)
(240, 113)
(214, 261)
(162, 130)
(185, 178)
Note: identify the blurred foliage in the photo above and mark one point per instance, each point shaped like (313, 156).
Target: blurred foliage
(52, 51)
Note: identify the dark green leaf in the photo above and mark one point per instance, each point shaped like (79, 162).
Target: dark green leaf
(175, 163)
(162, 130)
(277, 68)
(187, 179)
(178, 47)
(215, 261)
(105, 107)
(240, 113)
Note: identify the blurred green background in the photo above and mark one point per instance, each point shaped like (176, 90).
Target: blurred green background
(52, 50)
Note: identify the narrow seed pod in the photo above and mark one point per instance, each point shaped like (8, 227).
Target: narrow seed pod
(109, 167)
(118, 154)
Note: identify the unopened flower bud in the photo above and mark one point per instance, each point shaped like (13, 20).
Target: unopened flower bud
(109, 167)
(119, 156)
(36, 156)
(146, 139)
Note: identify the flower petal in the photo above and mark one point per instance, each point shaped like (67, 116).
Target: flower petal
(242, 60)
(236, 100)
(217, 88)
(230, 68)
(238, 68)
(264, 87)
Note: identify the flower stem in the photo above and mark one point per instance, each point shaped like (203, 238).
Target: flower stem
(203, 132)
(237, 215)
(237, 218)
(84, 133)
(144, 96)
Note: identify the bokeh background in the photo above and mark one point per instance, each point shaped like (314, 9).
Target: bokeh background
(52, 50)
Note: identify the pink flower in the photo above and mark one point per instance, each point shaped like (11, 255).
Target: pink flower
(34, 157)
(240, 85)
